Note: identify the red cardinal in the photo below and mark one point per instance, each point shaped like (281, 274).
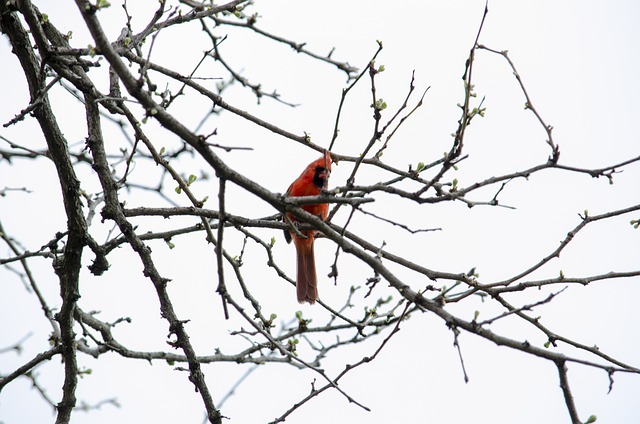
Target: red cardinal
(310, 183)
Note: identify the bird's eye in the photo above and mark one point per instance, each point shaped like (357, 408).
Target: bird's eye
(321, 176)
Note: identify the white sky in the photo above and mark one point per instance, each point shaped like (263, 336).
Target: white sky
(579, 61)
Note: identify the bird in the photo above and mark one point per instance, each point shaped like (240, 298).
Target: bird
(311, 182)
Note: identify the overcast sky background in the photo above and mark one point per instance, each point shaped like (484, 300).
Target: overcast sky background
(579, 61)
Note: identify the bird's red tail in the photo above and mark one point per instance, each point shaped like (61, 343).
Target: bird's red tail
(307, 281)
